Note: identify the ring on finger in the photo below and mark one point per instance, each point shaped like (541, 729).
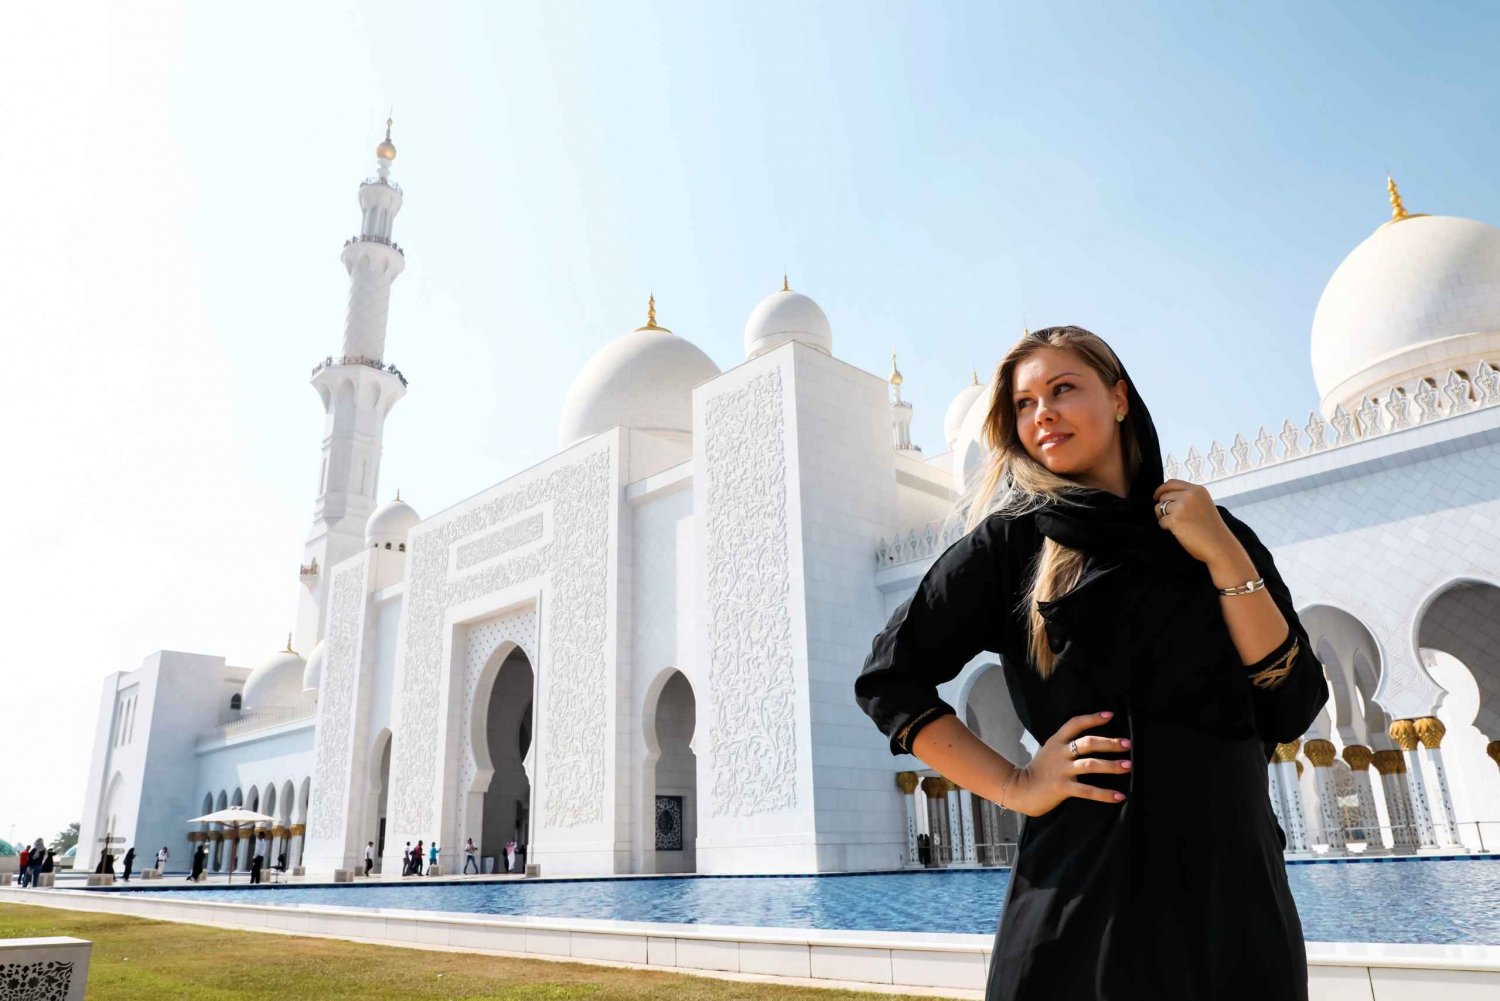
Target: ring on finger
(1073, 746)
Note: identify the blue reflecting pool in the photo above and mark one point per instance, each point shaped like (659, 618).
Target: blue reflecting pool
(1438, 901)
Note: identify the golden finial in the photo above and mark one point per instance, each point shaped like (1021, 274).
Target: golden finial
(651, 312)
(289, 643)
(398, 493)
(784, 286)
(1398, 211)
(976, 376)
(387, 149)
(1025, 331)
(895, 379)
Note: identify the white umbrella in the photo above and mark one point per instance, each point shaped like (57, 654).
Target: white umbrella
(234, 815)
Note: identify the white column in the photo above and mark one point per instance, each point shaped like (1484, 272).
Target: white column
(1330, 817)
(1358, 757)
(1404, 733)
(1430, 732)
(1291, 797)
(1392, 769)
(955, 825)
(907, 783)
(966, 816)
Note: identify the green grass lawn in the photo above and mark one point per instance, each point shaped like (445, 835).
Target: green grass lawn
(135, 959)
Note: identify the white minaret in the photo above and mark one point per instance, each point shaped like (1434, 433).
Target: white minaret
(900, 413)
(358, 390)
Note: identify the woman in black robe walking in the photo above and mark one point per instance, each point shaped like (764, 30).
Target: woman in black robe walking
(1151, 648)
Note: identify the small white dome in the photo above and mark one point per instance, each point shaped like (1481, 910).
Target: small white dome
(312, 674)
(784, 316)
(1411, 285)
(953, 417)
(390, 522)
(643, 380)
(276, 683)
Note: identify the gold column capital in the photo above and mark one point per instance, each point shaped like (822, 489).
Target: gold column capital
(1404, 733)
(1299, 768)
(1388, 762)
(935, 787)
(1358, 756)
(1287, 752)
(1430, 731)
(1320, 752)
(1493, 750)
(906, 782)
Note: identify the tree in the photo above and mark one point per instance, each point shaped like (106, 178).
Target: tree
(65, 839)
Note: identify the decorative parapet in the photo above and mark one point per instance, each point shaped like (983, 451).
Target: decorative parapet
(372, 238)
(932, 540)
(309, 570)
(374, 363)
(256, 720)
(1459, 394)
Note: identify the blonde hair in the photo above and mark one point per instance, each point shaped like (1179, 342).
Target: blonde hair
(1013, 484)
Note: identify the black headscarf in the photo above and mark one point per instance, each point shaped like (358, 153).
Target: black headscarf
(1099, 523)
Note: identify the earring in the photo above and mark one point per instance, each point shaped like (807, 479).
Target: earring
(1119, 417)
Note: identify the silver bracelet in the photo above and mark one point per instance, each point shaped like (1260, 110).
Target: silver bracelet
(1245, 588)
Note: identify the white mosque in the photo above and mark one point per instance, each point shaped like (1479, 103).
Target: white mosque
(638, 655)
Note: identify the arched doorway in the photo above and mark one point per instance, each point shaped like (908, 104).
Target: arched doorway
(499, 807)
(1458, 633)
(991, 714)
(380, 789)
(672, 777)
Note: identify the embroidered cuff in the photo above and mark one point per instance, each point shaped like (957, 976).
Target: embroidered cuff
(1271, 670)
(908, 730)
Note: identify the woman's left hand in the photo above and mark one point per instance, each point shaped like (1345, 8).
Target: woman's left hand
(1193, 517)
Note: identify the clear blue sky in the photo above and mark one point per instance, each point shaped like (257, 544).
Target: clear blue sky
(1181, 178)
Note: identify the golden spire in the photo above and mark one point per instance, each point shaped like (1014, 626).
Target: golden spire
(895, 379)
(387, 149)
(976, 376)
(1025, 331)
(784, 286)
(1398, 211)
(651, 312)
(289, 643)
(398, 493)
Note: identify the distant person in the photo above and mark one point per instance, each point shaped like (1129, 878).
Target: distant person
(406, 860)
(510, 855)
(521, 857)
(369, 857)
(432, 857)
(129, 862)
(256, 864)
(200, 860)
(50, 861)
(416, 859)
(161, 859)
(470, 857)
(24, 865)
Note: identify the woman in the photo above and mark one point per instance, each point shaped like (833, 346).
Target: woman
(129, 861)
(1150, 646)
(200, 860)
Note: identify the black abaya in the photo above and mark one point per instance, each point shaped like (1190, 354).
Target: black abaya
(1179, 892)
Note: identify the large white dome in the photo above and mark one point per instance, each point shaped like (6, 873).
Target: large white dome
(953, 417)
(390, 523)
(784, 316)
(1419, 296)
(643, 379)
(276, 683)
(312, 674)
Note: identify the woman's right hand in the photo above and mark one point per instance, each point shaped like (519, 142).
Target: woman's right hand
(1053, 774)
